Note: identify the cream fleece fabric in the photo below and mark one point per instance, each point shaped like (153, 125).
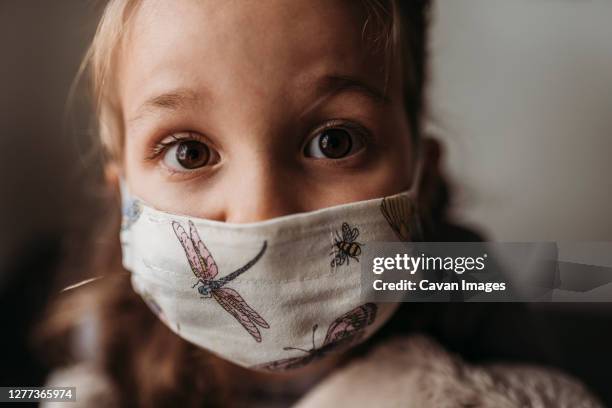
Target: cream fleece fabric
(417, 372)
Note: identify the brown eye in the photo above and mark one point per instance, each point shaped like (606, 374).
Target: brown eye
(333, 143)
(192, 154)
(188, 155)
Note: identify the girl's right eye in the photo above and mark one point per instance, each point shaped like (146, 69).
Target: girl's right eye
(188, 154)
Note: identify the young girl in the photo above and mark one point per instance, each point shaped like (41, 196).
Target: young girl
(254, 143)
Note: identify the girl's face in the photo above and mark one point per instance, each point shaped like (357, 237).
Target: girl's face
(244, 111)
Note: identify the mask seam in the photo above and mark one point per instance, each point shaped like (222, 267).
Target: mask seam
(281, 232)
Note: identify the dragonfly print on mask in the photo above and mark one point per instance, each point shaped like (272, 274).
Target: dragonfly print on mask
(345, 247)
(344, 331)
(205, 269)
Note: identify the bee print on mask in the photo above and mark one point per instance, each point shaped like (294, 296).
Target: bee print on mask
(346, 247)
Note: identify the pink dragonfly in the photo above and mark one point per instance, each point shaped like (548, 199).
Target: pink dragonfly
(343, 331)
(205, 269)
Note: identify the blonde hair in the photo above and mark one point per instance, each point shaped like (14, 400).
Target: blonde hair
(396, 27)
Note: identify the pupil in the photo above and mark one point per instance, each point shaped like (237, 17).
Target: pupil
(335, 143)
(192, 154)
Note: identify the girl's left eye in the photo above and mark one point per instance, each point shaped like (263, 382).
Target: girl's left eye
(333, 143)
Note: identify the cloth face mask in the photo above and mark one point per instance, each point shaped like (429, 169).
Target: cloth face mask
(271, 295)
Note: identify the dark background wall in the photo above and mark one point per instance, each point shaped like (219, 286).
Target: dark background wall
(44, 169)
(41, 161)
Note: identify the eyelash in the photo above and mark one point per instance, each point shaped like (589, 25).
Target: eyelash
(351, 126)
(160, 147)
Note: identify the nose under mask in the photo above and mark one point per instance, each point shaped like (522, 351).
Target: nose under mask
(270, 295)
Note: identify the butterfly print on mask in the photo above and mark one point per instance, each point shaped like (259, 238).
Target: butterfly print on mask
(205, 269)
(344, 331)
(400, 213)
(345, 247)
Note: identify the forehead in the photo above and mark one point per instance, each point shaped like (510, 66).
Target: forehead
(267, 47)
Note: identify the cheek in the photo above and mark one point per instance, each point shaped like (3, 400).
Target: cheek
(390, 171)
(390, 174)
(134, 172)
(393, 165)
(140, 175)
(393, 168)
(146, 180)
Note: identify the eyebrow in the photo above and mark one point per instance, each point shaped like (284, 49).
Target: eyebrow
(340, 83)
(332, 85)
(170, 101)
(328, 86)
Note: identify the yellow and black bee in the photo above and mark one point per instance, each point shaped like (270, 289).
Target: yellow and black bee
(346, 247)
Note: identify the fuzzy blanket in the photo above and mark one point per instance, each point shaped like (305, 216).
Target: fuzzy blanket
(417, 372)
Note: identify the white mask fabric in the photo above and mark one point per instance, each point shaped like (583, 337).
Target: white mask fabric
(269, 295)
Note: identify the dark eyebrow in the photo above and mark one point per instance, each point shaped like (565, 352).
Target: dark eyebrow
(168, 101)
(332, 85)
